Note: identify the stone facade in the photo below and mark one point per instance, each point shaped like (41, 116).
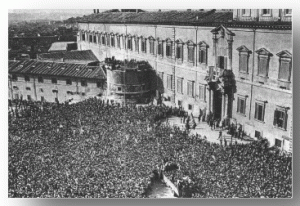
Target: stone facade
(192, 63)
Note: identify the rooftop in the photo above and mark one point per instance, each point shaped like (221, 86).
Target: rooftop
(60, 46)
(33, 67)
(85, 55)
(194, 18)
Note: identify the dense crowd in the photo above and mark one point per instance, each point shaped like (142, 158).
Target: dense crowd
(95, 150)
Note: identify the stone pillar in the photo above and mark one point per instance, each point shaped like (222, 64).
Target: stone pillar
(223, 105)
(212, 102)
(229, 52)
(209, 101)
(215, 40)
(226, 106)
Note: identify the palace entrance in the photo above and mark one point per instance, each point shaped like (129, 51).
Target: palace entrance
(217, 104)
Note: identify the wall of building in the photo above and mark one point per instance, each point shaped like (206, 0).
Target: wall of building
(274, 41)
(45, 89)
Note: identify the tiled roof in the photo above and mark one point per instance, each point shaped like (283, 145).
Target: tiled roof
(34, 67)
(193, 18)
(160, 17)
(60, 46)
(85, 55)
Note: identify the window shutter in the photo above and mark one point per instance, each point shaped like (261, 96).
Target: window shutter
(275, 117)
(204, 56)
(284, 70)
(256, 111)
(263, 63)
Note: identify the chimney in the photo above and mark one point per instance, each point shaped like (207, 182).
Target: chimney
(94, 11)
(136, 11)
(97, 11)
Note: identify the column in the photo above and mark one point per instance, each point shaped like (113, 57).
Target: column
(229, 62)
(209, 101)
(212, 102)
(215, 40)
(223, 106)
(226, 106)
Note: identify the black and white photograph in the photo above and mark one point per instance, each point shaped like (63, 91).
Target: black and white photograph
(150, 103)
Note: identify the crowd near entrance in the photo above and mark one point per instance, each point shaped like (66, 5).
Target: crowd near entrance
(98, 149)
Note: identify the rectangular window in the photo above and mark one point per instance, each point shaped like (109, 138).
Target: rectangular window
(28, 88)
(190, 107)
(190, 88)
(284, 70)
(129, 44)
(16, 96)
(42, 99)
(180, 85)
(160, 48)
(191, 54)
(221, 62)
(288, 12)
(90, 38)
(241, 105)
(266, 12)
(144, 46)
(103, 40)
(263, 64)
(259, 111)
(179, 52)
(95, 39)
(40, 79)
(69, 82)
(246, 12)
(27, 78)
(112, 41)
(179, 103)
(151, 47)
(28, 97)
(83, 83)
(202, 92)
(243, 63)
(169, 82)
(169, 50)
(257, 134)
(83, 37)
(99, 84)
(54, 81)
(202, 56)
(280, 118)
(118, 42)
(278, 143)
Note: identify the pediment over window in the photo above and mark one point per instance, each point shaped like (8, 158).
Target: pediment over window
(168, 40)
(203, 44)
(264, 52)
(159, 39)
(151, 38)
(190, 43)
(103, 33)
(179, 41)
(117, 34)
(111, 33)
(222, 29)
(128, 35)
(284, 54)
(244, 49)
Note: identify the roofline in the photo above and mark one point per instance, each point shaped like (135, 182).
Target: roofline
(233, 24)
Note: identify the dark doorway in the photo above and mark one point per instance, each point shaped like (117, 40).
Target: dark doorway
(217, 104)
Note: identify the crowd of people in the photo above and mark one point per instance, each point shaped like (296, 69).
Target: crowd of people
(93, 149)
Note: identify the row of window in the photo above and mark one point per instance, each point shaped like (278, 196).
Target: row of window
(141, 42)
(29, 98)
(280, 114)
(264, 56)
(190, 87)
(266, 12)
(54, 81)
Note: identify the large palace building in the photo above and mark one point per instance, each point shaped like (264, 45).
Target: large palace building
(236, 65)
